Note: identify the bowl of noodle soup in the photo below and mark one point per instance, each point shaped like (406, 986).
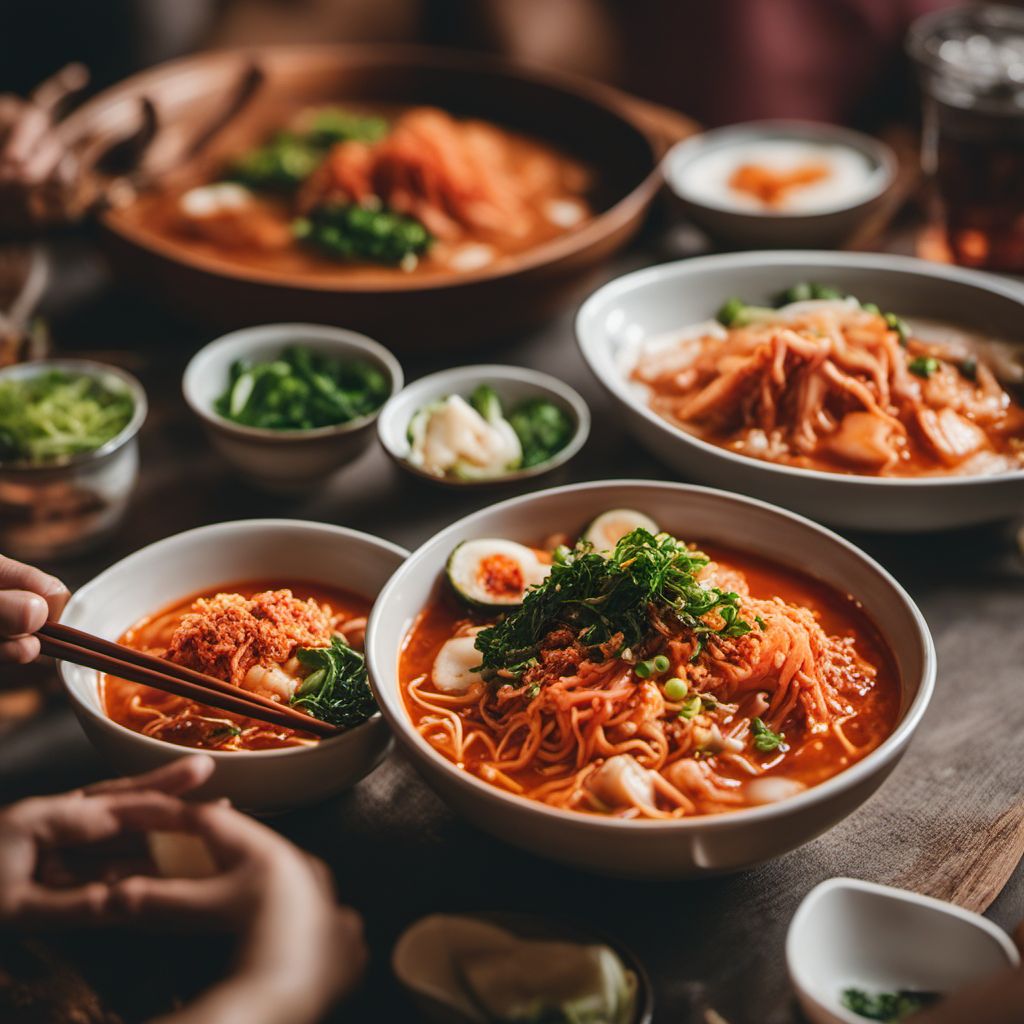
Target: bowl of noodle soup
(745, 708)
(866, 391)
(295, 583)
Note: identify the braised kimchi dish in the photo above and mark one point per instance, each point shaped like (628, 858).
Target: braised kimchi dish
(825, 382)
(375, 195)
(302, 651)
(628, 673)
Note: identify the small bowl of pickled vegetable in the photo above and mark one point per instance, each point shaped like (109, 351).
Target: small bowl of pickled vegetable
(484, 425)
(68, 454)
(288, 405)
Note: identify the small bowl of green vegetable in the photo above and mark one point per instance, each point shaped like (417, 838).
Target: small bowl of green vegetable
(68, 454)
(859, 951)
(290, 404)
(484, 425)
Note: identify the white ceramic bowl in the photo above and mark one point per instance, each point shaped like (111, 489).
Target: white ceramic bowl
(283, 461)
(823, 227)
(657, 849)
(265, 781)
(662, 298)
(513, 384)
(852, 934)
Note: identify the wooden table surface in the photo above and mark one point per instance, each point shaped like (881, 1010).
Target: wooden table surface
(398, 852)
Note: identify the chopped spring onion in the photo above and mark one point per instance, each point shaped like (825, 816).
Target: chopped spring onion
(764, 739)
(56, 414)
(692, 707)
(676, 688)
(923, 366)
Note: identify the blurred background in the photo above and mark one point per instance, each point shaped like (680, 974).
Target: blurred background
(730, 60)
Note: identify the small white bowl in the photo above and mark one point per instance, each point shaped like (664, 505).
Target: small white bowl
(513, 384)
(264, 781)
(284, 461)
(852, 934)
(707, 844)
(822, 227)
(664, 298)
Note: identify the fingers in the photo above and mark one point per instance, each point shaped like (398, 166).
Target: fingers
(32, 905)
(187, 902)
(19, 651)
(232, 836)
(80, 818)
(21, 612)
(18, 576)
(181, 776)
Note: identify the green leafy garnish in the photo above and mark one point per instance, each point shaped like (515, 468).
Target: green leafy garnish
(364, 234)
(55, 415)
(888, 1006)
(805, 291)
(611, 599)
(331, 125)
(336, 689)
(543, 429)
(734, 312)
(281, 165)
(301, 390)
(764, 739)
(923, 366)
(486, 402)
(284, 162)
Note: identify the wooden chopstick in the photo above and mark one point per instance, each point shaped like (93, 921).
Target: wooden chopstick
(69, 644)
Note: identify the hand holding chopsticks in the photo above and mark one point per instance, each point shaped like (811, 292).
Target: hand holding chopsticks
(69, 644)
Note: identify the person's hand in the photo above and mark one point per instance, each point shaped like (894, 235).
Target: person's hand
(45, 880)
(299, 951)
(28, 597)
(996, 1000)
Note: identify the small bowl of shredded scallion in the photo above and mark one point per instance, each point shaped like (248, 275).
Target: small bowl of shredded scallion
(68, 454)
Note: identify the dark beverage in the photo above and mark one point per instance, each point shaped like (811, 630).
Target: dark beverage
(972, 72)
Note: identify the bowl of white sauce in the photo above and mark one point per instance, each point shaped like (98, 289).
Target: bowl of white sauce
(789, 184)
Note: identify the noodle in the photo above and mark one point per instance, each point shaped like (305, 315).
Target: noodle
(226, 634)
(593, 736)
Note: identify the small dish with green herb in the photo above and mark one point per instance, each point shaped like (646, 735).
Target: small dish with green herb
(68, 454)
(477, 425)
(288, 404)
(857, 952)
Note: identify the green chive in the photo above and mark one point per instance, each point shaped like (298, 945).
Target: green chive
(676, 688)
(643, 669)
(691, 707)
(923, 366)
(661, 664)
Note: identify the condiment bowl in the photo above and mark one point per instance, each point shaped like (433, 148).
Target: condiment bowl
(512, 384)
(285, 461)
(264, 781)
(429, 973)
(826, 226)
(678, 847)
(853, 934)
(65, 507)
(621, 315)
